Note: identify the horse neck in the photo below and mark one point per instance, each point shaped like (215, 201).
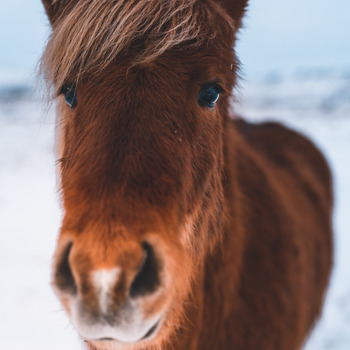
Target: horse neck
(218, 275)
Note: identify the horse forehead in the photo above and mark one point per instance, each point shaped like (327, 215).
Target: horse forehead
(124, 76)
(141, 92)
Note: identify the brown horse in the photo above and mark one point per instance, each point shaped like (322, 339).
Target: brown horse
(184, 227)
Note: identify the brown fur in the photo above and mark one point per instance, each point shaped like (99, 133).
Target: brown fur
(239, 215)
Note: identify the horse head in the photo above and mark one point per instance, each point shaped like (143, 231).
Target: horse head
(143, 88)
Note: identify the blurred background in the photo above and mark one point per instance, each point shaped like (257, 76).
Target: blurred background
(295, 68)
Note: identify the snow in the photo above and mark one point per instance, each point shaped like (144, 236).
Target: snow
(315, 102)
(30, 316)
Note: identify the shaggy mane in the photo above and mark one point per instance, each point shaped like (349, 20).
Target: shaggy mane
(90, 35)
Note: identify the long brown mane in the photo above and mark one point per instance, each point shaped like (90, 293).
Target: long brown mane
(94, 32)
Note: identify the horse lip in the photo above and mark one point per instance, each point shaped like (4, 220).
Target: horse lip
(150, 332)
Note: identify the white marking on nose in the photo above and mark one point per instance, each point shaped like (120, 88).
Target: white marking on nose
(104, 281)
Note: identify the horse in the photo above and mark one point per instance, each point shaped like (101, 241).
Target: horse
(184, 226)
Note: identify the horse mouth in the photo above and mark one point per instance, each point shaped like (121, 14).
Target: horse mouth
(149, 333)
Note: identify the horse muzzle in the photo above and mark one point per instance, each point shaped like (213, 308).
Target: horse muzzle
(117, 295)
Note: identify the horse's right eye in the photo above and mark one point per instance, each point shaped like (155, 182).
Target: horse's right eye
(209, 94)
(69, 92)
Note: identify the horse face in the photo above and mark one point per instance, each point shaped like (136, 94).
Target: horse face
(141, 168)
(141, 163)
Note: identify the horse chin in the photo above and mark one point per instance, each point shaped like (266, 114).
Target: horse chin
(114, 345)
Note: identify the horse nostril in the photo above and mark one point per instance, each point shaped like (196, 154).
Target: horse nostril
(63, 277)
(147, 280)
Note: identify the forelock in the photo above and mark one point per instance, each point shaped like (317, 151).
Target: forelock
(94, 32)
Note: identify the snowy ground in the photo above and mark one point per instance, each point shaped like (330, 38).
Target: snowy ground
(316, 102)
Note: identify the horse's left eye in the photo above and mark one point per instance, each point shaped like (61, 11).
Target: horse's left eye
(209, 94)
(69, 92)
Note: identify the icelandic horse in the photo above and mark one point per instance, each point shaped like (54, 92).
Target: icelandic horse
(185, 227)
